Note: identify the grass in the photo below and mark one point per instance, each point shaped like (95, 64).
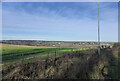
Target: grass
(13, 54)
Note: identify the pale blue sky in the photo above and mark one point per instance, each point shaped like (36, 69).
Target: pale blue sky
(60, 21)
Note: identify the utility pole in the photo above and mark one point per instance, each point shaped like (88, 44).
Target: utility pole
(98, 31)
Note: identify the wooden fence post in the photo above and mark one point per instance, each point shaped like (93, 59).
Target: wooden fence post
(67, 63)
(55, 57)
(22, 58)
(55, 54)
(48, 55)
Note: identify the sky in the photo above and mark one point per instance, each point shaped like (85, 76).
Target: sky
(0, 21)
(60, 0)
(59, 21)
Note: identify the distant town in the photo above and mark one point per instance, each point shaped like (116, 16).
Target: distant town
(58, 43)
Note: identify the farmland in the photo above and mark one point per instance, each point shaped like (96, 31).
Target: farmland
(13, 54)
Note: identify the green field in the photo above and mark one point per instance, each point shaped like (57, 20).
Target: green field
(14, 54)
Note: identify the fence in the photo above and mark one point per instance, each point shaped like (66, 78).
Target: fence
(25, 57)
(47, 55)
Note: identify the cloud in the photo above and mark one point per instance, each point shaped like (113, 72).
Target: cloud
(60, 0)
(0, 21)
(61, 23)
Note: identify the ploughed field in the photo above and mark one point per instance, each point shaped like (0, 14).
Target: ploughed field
(31, 62)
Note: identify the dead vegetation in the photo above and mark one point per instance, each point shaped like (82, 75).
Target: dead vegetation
(71, 66)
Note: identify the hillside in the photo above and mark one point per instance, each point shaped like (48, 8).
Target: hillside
(78, 65)
(57, 43)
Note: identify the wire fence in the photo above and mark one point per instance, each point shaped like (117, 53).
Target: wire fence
(46, 56)
(49, 55)
(26, 57)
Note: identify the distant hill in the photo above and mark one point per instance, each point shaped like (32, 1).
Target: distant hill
(56, 43)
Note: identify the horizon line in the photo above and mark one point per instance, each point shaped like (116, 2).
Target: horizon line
(56, 40)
